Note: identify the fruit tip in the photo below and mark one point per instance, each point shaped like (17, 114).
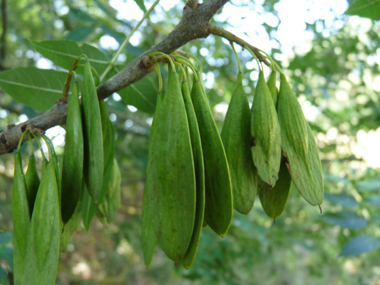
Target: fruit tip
(320, 209)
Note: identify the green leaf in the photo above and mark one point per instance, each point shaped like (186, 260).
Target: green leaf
(342, 199)
(140, 3)
(376, 218)
(345, 220)
(365, 8)
(369, 185)
(5, 238)
(64, 52)
(141, 94)
(103, 8)
(81, 33)
(360, 244)
(36, 88)
(79, 14)
(374, 200)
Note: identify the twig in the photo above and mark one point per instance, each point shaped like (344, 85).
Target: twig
(233, 38)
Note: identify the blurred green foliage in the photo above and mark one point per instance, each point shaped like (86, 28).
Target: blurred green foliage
(333, 76)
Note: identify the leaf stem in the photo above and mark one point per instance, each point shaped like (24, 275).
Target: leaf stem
(237, 57)
(160, 85)
(254, 55)
(126, 41)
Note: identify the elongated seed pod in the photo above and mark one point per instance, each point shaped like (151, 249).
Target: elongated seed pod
(299, 146)
(72, 168)
(92, 134)
(273, 200)
(236, 137)
(88, 207)
(196, 144)
(173, 199)
(43, 240)
(148, 237)
(219, 204)
(20, 220)
(108, 133)
(273, 86)
(32, 180)
(266, 135)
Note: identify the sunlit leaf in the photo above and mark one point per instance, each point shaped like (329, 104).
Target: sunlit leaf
(140, 3)
(345, 220)
(360, 244)
(374, 200)
(64, 52)
(141, 94)
(365, 8)
(342, 199)
(79, 14)
(36, 88)
(369, 185)
(81, 33)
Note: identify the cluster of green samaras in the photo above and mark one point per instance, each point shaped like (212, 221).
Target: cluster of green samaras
(46, 212)
(195, 177)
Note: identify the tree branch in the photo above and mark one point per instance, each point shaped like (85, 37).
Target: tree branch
(3, 39)
(194, 24)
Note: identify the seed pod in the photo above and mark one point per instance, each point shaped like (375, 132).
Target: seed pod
(299, 146)
(173, 198)
(196, 144)
(273, 86)
(70, 227)
(20, 220)
(92, 135)
(54, 158)
(236, 137)
(43, 240)
(265, 130)
(111, 202)
(219, 205)
(32, 181)
(72, 168)
(88, 207)
(148, 237)
(273, 200)
(108, 133)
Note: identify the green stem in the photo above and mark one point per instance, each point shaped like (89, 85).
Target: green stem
(197, 61)
(39, 144)
(48, 145)
(189, 65)
(30, 143)
(165, 56)
(124, 44)
(21, 140)
(279, 69)
(66, 87)
(237, 57)
(269, 57)
(160, 85)
(183, 71)
(257, 60)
